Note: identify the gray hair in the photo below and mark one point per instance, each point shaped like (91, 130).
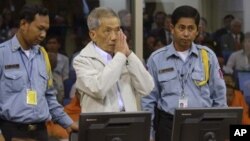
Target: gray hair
(236, 21)
(98, 13)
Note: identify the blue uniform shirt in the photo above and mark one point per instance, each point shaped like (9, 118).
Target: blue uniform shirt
(169, 71)
(166, 67)
(19, 73)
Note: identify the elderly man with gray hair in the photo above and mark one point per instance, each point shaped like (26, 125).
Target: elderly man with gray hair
(231, 41)
(109, 74)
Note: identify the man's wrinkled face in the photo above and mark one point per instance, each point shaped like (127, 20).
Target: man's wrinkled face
(236, 28)
(105, 36)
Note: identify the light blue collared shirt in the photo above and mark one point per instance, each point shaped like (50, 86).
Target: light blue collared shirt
(164, 65)
(19, 73)
(167, 67)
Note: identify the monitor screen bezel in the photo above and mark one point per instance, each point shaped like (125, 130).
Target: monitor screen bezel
(181, 114)
(84, 117)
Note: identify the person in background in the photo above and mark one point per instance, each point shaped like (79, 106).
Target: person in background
(3, 30)
(223, 30)
(159, 20)
(53, 44)
(167, 28)
(125, 18)
(27, 95)
(239, 60)
(148, 46)
(163, 33)
(73, 109)
(151, 44)
(235, 98)
(210, 43)
(57, 79)
(109, 75)
(203, 35)
(185, 75)
(231, 42)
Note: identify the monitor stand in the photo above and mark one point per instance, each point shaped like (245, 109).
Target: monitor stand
(73, 136)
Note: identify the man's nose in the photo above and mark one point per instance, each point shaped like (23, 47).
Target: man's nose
(113, 35)
(43, 34)
(186, 32)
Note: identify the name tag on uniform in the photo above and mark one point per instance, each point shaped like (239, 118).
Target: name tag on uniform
(31, 97)
(11, 66)
(166, 70)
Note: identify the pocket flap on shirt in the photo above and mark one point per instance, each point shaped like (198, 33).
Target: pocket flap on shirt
(164, 77)
(13, 74)
(198, 75)
(44, 75)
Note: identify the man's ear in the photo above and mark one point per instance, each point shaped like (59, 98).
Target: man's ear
(23, 24)
(198, 30)
(197, 34)
(92, 35)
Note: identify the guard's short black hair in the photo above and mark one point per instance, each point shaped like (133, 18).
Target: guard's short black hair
(185, 12)
(29, 11)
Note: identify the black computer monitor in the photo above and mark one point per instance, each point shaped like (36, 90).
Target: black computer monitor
(121, 126)
(206, 124)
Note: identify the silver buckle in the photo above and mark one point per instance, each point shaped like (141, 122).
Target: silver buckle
(31, 127)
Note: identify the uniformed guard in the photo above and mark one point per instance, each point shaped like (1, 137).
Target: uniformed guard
(185, 75)
(27, 96)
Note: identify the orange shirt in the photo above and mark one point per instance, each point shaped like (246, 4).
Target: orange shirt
(239, 101)
(73, 109)
(1, 137)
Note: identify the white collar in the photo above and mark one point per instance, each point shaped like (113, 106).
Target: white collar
(106, 56)
(183, 54)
